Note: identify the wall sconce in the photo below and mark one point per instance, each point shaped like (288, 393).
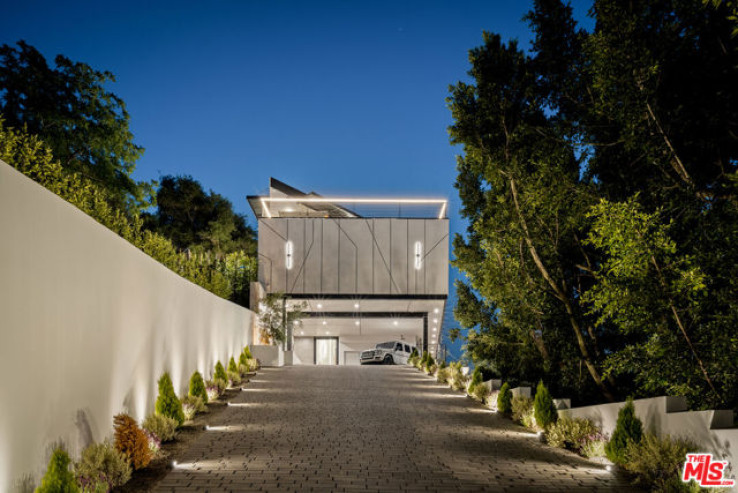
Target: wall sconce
(418, 255)
(288, 255)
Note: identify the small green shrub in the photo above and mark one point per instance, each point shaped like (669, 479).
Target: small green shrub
(254, 364)
(247, 352)
(480, 392)
(167, 403)
(243, 370)
(572, 434)
(627, 429)
(213, 390)
(504, 400)
(657, 462)
(131, 441)
(220, 372)
(594, 448)
(442, 374)
(234, 378)
(423, 360)
(101, 462)
(154, 443)
(163, 427)
(232, 366)
(191, 405)
(544, 409)
(522, 407)
(197, 387)
(430, 365)
(58, 478)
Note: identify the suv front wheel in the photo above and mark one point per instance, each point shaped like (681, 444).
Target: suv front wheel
(388, 360)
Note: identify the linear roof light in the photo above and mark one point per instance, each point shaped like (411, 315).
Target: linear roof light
(335, 200)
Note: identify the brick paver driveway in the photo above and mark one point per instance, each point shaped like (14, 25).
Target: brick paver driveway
(372, 428)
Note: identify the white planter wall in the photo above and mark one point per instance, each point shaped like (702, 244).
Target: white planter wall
(88, 323)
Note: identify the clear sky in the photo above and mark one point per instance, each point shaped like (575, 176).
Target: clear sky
(336, 97)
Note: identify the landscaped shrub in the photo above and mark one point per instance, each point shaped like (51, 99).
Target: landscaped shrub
(254, 364)
(657, 462)
(442, 374)
(234, 378)
(232, 366)
(131, 441)
(430, 365)
(413, 359)
(167, 403)
(162, 426)
(458, 379)
(628, 429)
(243, 360)
(197, 387)
(504, 400)
(58, 478)
(480, 392)
(220, 372)
(572, 433)
(423, 360)
(215, 388)
(594, 446)
(544, 409)
(522, 410)
(191, 405)
(101, 462)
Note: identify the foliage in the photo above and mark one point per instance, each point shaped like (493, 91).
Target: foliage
(30, 156)
(430, 365)
(101, 461)
(232, 365)
(131, 441)
(220, 373)
(522, 410)
(197, 387)
(657, 462)
(160, 425)
(58, 478)
(234, 378)
(573, 434)
(154, 443)
(480, 392)
(191, 405)
(167, 403)
(457, 378)
(544, 408)
(598, 179)
(85, 125)
(594, 447)
(214, 389)
(275, 317)
(504, 400)
(244, 359)
(442, 375)
(627, 429)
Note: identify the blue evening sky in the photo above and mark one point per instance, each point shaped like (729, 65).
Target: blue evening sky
(335, 97)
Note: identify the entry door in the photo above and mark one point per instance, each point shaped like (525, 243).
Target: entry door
(326, 350)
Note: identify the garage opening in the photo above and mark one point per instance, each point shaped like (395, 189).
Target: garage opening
(326, 350)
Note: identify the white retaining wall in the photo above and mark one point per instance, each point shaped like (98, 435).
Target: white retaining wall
(87, 325)
(711, 430)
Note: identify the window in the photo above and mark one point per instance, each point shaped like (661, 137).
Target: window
(398, 347)
(407, 348)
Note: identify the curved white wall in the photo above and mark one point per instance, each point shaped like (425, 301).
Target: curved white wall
(87, 325)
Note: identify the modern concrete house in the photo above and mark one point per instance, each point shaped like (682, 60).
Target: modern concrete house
(366, 270)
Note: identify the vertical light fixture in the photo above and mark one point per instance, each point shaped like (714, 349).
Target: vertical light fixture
(418, 255)
(288, 255)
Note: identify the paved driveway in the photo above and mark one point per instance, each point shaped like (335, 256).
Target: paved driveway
(376, 428)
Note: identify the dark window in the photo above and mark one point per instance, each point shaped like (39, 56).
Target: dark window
(407, 348)
(398, 347)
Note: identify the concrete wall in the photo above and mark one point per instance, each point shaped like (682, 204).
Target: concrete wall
(354, 256)
(88, 323)
(711, 430)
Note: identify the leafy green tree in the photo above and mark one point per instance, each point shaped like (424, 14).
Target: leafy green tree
(544, 409)
(197, 387)
(628, 430)
(58, 478)
(70, 108)
(167, 403)
(276, 319)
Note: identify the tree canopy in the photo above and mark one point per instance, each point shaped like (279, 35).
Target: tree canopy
(70, 108)
(598, 179)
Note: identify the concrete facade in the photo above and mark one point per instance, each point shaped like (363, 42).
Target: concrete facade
(88, 325)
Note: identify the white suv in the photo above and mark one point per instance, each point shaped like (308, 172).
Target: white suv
(388, 353)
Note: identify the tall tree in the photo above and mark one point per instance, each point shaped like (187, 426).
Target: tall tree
(69, 107)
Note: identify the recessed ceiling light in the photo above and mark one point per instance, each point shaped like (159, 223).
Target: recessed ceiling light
(302, 332)
(395, 322)
(324, 322)
(356, 323)
(435, 310)
(320, 306)
(296, 322)
(435, 320)
(289, 209)
(356, 305)
(434, 329)
(327, 331)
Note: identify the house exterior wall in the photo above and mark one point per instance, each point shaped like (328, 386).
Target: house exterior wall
(354, 256)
